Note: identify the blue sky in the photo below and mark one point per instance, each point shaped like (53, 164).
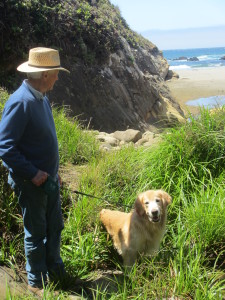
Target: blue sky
(172, 24)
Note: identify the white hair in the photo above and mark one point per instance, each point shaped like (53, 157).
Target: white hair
(37, 75)
(34, 75)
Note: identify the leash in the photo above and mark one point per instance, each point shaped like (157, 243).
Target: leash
(119, 202)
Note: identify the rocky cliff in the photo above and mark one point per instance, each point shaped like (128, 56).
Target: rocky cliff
(127, 91)
(117, 78)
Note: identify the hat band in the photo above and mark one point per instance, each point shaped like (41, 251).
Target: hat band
(49, 67)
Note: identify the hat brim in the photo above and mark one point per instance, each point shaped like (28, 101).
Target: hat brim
(26, 68)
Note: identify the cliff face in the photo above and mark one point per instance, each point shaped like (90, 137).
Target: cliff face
(127, 91)
(117, 77)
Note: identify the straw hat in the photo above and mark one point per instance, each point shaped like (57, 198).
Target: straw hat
(41, 59)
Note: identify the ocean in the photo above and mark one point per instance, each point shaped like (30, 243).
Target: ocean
(206, 57)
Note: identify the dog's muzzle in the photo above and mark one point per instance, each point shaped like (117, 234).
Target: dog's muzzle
(154, 216)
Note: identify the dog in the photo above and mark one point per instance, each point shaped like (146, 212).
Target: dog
(141, 230)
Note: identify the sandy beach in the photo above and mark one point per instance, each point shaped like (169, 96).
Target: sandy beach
(197, 83)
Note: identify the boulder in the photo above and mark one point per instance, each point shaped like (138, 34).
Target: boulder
(119, 139)
(107, 139)
(129, 135)
(193, 59)
(171, 74)
(148, 139)
(181, 58)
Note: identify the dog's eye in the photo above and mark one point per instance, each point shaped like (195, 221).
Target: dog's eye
(146, 203)
(157, 200)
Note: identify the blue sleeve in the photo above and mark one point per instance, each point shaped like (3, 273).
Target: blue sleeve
(13, 123)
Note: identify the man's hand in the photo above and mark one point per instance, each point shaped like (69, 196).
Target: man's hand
(39, 178)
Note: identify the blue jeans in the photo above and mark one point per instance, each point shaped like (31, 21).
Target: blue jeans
(43, 223)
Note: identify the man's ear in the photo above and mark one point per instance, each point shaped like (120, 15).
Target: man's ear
(138, 205)
(45, 74)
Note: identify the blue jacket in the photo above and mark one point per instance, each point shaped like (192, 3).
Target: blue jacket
(28, 140)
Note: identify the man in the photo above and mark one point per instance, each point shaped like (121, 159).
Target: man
(29, 150)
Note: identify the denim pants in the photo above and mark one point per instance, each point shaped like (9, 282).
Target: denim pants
(43, 223)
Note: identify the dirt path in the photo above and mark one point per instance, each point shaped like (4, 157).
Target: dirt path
(11, 283)
(70, 175)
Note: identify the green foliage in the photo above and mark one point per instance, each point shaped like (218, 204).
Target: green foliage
(204, 216)
(118, 172)
(3, 97)
(11, 241)
(76, 145)
(10, 221)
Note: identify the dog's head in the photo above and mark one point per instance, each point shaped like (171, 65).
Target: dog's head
(152, 204)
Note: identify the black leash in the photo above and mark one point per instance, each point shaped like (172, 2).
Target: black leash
(119, 202)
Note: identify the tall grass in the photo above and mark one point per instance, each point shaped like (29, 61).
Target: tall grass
(76, 144)
(189, 164)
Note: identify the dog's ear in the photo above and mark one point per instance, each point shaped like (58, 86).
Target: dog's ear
(138, 205)
(166, 198)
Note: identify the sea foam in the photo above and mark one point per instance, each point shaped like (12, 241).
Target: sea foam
(179, 67)
(207, 57)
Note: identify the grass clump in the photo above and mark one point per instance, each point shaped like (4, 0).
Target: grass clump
(76, 145)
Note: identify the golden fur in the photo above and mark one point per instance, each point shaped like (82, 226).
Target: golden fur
(141, 230)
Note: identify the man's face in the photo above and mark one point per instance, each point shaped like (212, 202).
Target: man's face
(50, 79)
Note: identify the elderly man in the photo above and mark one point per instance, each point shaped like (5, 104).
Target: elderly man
(29, 150)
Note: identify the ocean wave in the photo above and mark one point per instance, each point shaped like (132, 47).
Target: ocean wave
(207, 57)
(203, 57)
(179, 67)
(215, 65)
(210, 57)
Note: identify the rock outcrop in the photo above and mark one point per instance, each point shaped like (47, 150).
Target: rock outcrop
(128, 91)
(193, 59)
(171, 75)
(117, 78)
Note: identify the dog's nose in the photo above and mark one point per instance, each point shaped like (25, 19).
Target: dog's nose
(155, 213)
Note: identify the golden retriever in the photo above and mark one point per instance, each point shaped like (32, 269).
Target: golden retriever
(141, 230)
